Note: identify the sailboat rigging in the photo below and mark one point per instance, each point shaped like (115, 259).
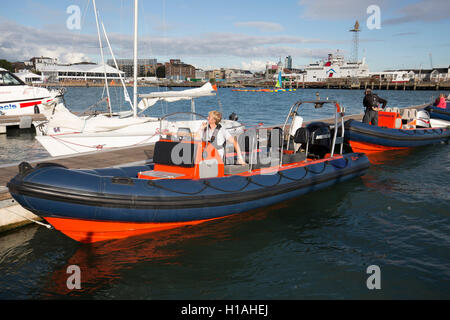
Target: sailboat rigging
(65, 133)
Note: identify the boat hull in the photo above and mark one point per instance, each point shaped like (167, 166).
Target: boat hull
(88, 206)
(366, 138)
(89, 231)
(22, 107)
(24, 100)
(439, 113)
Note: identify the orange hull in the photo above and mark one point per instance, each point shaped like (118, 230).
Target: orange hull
(86, 231)
(368, 148)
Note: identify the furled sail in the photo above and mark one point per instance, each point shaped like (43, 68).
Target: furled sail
(151, 99)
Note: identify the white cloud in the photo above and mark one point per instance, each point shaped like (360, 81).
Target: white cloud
(336, 10)
(256, 65)
(18, 42)
(261, 25)
(425, 11)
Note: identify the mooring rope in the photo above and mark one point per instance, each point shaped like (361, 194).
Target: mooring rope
(32, 220)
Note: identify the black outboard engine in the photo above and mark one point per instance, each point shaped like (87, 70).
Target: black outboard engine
(318, 135)
(233, 117)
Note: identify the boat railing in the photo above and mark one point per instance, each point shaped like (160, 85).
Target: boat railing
(338, 122)
(192, 115)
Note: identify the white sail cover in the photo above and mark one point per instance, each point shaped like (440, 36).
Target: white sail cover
(151, 99)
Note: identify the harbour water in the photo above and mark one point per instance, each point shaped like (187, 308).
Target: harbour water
(319, 246)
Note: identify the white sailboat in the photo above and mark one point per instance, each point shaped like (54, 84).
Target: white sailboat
(65, 133)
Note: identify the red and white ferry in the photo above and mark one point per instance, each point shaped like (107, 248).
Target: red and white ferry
(18, 98)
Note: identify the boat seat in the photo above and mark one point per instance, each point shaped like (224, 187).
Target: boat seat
(235, 169)
(164, 149)
(406, 114)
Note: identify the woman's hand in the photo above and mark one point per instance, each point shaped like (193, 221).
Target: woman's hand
(241, 161)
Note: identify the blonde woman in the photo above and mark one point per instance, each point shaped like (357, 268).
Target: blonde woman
(218, 135)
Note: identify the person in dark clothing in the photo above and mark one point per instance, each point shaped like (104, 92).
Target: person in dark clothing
(371, 103)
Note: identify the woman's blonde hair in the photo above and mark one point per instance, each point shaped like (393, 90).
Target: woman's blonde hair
(216, 115)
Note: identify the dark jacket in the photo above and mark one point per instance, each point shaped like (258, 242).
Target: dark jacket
(372, 100)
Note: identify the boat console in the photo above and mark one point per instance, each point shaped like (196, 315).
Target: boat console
(184, 159)
(395, 119)
(184, 155)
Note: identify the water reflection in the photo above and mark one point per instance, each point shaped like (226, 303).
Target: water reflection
(103, 263)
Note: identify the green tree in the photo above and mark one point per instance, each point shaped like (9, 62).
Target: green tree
(5, 64)
(161, 72)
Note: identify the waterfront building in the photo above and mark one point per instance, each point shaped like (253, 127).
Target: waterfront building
(217, 74)
(288, 62)
(38, 62)
(418, 75)
(200, 75)
(178, 70)
(146, 67)
(79, 72)
(233, 75)
(29, 77)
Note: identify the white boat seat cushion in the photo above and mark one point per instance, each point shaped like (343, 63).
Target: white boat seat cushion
(406, 114)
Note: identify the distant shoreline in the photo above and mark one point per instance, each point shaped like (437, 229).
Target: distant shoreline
(340, 84)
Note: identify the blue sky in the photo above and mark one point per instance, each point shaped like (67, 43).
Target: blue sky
(243, 34)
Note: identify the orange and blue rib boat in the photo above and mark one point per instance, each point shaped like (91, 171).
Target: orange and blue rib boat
(439, 113)
(395, 131)
(188, 182)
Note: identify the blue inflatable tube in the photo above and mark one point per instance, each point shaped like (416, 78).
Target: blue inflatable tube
(115, 194)
(439, 113)
(363, 133)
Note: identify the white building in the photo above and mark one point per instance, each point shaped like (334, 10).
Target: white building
(393, 76)
(200, 74)
(433, 75)
(80, 72)
(232, 75)
(39, 62)
(29, 77)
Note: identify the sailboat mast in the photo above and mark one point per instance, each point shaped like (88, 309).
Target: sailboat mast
(135, 58)
(103, 59)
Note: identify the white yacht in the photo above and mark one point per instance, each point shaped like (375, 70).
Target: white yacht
(335, 66)
(18, 98)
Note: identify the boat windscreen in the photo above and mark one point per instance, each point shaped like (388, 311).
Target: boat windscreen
(8, 79)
